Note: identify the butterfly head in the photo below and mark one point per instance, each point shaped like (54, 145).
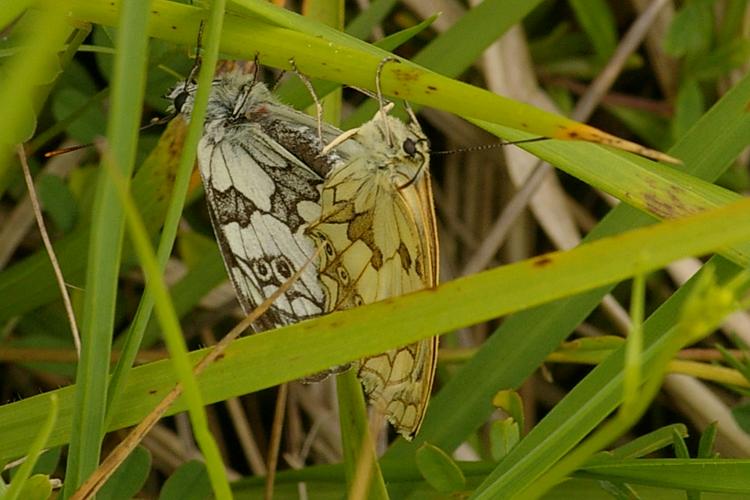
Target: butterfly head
(181, 97)
(230, 95)
(407, 153)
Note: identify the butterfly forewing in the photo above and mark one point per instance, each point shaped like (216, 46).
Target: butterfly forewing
(378, 240)
(262, 172)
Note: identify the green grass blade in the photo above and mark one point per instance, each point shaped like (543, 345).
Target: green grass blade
(660, 190)
(105, 247)
(717, 475)
(356, 440)
(177, 200)
(24, 77)
(153, 268)
(590, 401)
(361, 26)
(355, 63)
(455, 51)
(599, 24)
(35, 449)
(174, 339)
(11, 9)
(705, 308)
(649, 443)
(292, 352)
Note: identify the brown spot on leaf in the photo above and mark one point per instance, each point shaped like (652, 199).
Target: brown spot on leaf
(542, 261)
(152, 391)
(668, 204)
(405, 75)
(657, 206)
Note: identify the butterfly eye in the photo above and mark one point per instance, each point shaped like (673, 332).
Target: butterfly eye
(330, 252)
(410, 147)
(357, 299)
(180, 100)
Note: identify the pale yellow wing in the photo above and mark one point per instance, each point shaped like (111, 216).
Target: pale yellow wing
(378, 239)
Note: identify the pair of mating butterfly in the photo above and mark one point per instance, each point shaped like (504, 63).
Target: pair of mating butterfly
(281, 187)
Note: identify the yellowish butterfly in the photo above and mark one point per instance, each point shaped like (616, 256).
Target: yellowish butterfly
(378, 240)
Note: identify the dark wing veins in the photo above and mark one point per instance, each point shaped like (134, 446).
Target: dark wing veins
(268, 269)
(293, 182)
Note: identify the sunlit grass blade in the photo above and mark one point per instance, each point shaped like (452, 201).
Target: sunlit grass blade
(179, 192)
(173, 337)
(105, 247)
(342, 337)
(704, 309)
(24, 76)
(355, 64)
(37, 444)
(716, 475)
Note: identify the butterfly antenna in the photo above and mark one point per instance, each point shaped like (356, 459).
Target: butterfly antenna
(156, 121)
(309, 86)
(198, 59)
(247, 89)
(69, 149)
(381, 101)
(256, 67)
(413, 179)
(485, 147)
(153, 123)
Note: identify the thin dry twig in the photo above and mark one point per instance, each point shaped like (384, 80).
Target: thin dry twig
(275, 442)
(50, 250)
(241, 424)
(21, 218)
(247, 441)
(629, 43)
(364, 469)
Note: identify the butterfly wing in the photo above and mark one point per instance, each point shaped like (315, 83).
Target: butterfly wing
(378, 240)
(401, 380)
(260, 198)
